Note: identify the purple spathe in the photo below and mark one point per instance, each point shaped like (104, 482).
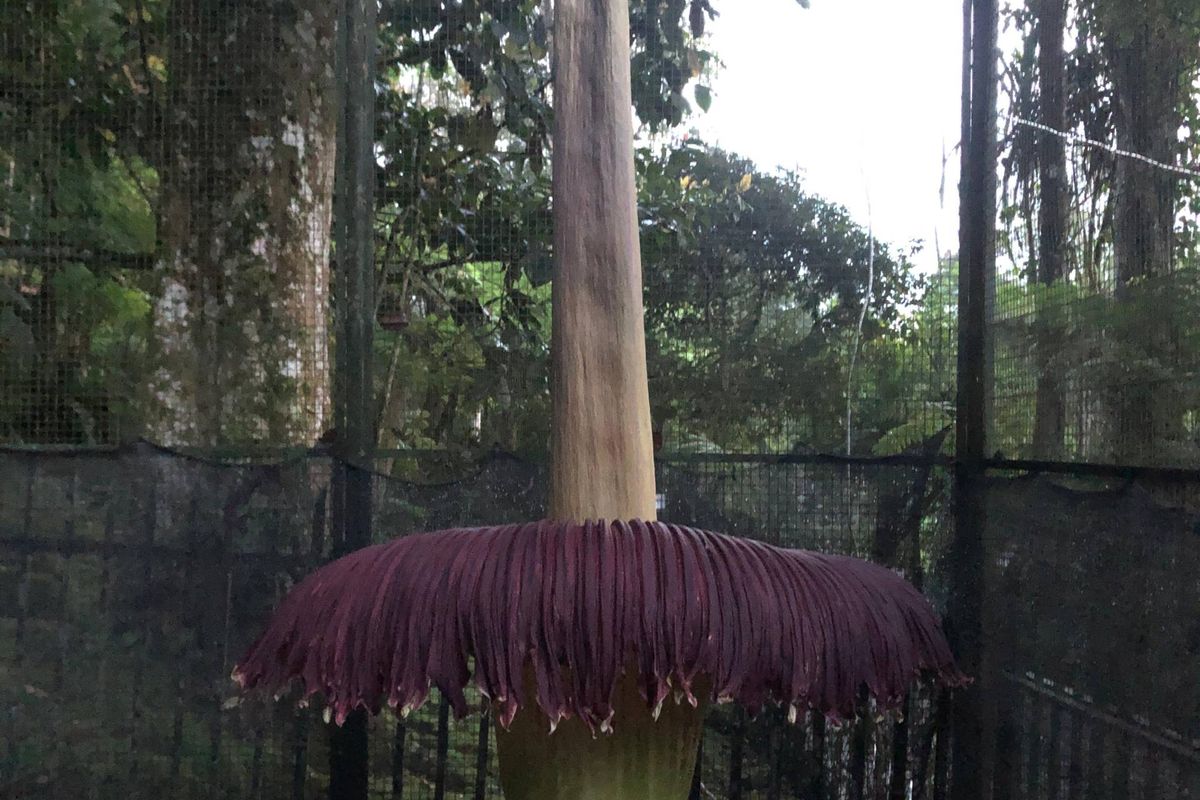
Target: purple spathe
(578, 604)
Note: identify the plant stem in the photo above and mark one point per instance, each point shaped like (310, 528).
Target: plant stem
(643, 759)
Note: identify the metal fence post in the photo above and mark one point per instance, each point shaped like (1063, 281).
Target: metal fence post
(354, 208)
(969, 756)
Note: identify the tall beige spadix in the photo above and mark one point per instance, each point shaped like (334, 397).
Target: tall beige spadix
(602, 458)
(602, 455)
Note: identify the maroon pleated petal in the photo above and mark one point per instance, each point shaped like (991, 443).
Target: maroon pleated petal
(578, 604)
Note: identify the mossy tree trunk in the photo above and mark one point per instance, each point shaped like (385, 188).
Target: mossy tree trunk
(244, 223)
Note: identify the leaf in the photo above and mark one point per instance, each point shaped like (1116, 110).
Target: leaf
(538, 266)
(703, 97)
(156, 65)
(744, 183)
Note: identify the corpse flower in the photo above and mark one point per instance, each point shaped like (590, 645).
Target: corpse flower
(600, 635)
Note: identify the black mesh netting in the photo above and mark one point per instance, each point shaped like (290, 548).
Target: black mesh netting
(1095, 624)
(131, 580)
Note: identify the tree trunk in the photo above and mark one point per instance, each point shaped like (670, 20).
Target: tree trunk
(1050, 412)
(1148, 51)
(601, 446)
(244, 230)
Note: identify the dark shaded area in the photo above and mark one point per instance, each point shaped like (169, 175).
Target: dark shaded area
(1094, 622)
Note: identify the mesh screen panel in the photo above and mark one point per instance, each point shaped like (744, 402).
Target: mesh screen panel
(134, 579)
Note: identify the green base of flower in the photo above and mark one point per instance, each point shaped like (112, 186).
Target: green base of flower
(643, 759)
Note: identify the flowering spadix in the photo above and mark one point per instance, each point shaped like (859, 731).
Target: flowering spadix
(576, 606)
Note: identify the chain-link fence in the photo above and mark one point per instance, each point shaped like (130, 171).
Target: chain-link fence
(169, 271)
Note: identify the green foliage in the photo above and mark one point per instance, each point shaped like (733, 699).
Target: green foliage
(81, 338)
(1102, 345)
(912, 371)
(753, 287)
(81, 92)
(753, 293)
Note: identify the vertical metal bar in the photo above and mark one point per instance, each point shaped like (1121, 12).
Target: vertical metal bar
(177, 731)
(348, 759)
(1034, 744)
(214, 700)
(256, 757)
(858, 757)
(110, 530)
(819, 782)
(8, 765)
(64, 581)
(1075, 764)
(355, 253)
(1054, 752)
(150, 522)
(300, 753)
(736, 752)
(181, 682)
(23, 577)
(481, 756)
(1098, 781)
(976, 265)
(317, 538)
(776, 736)
(1008, 741)
(1152, 767)
(942, 747)
(698, 772)
(355, 243)
(398, 760)
(353, 391)
(443, 749)
(898, 783)
(1122, 759)
(102, 670)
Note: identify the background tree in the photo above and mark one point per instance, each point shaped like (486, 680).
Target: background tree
(1152, 50)
(1116, 228)
(1049, 410)
(75, 207)
(754, 288)
(244, 222)
(181, 154)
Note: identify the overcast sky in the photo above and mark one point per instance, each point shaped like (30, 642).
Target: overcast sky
(860, 95)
